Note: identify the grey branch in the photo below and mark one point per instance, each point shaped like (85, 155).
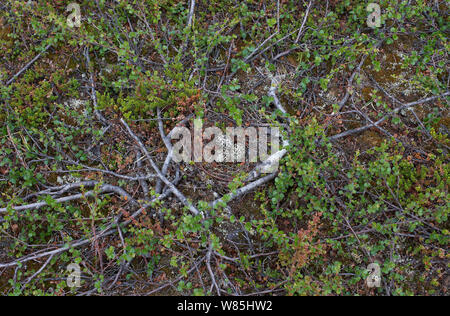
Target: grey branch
(246, 189)
(28, 65)
(106, 188)
(191, 13)
(300, 32)
(168, 160)
(388, 115)
(106, 232)
(99, 116)
(169, 184)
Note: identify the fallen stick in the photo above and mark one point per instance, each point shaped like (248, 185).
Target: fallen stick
(166, 139)
(169, 147)
(28, 65)
(344, 100)
(191, 13)
(248, 188)
(208, 266)
(97, 113)
(103, 189)
(37, 272)
(19, 155)
(300, 32)
(384, 118)
(162, 287)
(276, 157)
(169, 184)
(106, 232)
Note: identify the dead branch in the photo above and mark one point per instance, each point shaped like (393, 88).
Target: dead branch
(384, 118)
(300, 32)
(99, 116)
(211, 273)
(106, 232)
(107, 188)
(174, 190)
(38, 271)
(191, 13)
(248, 188)
(166, 141)
(25, 68)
